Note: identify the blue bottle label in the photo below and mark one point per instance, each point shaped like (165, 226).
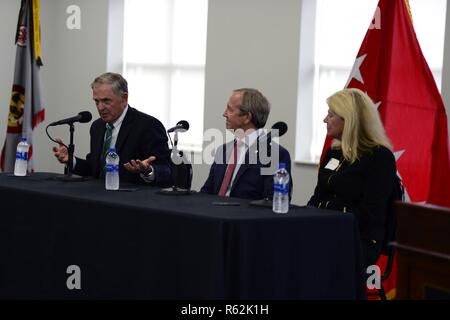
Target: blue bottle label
(282, 188)
(22, 156)
(112, 168)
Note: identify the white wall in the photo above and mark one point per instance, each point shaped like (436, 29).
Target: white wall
(251, 43)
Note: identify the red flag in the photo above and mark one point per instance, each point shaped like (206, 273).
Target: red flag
(25, 109)
(391, 68)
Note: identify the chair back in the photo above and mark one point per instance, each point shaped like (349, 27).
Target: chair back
(397, 194)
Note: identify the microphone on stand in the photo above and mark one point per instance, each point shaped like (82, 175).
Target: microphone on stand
(282, 128)
(181, 169)
(279, 129)
(82, 117)
(182, 126)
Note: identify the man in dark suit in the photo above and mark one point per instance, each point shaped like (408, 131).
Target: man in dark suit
(135, 135)
(240, 168)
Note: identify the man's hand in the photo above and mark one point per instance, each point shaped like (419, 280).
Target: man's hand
(61, 152)
(140, 166)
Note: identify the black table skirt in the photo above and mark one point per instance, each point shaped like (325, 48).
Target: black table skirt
(143, 245)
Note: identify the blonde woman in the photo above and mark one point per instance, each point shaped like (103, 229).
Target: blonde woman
(357, 173)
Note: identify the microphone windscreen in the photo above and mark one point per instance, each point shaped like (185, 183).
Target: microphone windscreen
(183, 124)
(281, 127)
(85, 116)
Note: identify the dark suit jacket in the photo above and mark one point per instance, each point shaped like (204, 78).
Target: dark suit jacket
(362, 188)
(140, 136)
(249, 183)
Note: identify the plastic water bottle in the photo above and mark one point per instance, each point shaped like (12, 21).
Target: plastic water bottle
(281, 179)
(21, 164)
(112, 170)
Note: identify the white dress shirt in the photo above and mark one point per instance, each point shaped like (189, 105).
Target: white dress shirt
(242, 147)
(115, 132)
(117, 124)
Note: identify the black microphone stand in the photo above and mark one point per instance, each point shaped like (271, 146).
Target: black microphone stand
(176, 156)
(266, 201)
(70, 151)
(280, 128)
(68, 177)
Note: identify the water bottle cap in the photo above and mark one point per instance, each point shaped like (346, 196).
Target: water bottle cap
(282, 165)
(112, 150)
(23, 139)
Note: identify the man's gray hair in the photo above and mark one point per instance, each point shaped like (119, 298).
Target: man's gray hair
(118, 83)
(256, 103)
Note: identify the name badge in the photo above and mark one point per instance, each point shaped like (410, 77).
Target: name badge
(332, 164)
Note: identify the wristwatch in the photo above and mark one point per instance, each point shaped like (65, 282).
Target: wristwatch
(150, 173)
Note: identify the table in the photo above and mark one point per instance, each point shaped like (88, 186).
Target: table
(144, 245)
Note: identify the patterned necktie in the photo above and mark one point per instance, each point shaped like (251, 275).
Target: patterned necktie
(106, 144)
(229, 173)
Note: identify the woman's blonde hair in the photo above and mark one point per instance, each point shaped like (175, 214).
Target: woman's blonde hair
(363, 129)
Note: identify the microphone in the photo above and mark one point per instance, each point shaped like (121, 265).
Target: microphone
(182, 169)
(181, 126)
(281, 127)
(83, 116)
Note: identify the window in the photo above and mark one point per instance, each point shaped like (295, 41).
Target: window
(164, 62)
(327, 57)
